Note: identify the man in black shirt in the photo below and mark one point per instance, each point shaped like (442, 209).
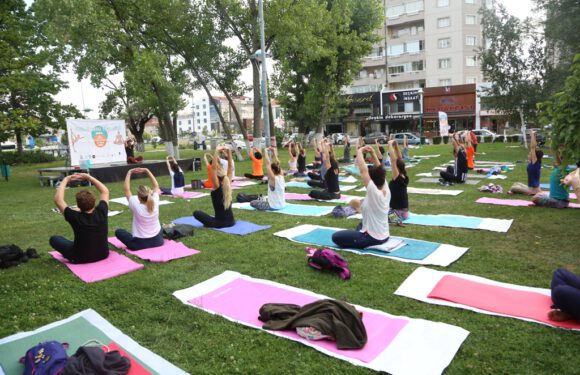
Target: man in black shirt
(89, 222)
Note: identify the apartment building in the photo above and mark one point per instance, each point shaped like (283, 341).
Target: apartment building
(425, 44)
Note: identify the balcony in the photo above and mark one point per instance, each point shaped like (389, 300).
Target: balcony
(406, 18)
(371, 61)
(407, 76)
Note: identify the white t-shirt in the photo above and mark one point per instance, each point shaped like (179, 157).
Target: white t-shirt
(175, 190)
(145, 224)
(375, 208)
(276, 198)
(224, 163)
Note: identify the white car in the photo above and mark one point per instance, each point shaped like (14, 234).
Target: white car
(239, 144)
(485, 133)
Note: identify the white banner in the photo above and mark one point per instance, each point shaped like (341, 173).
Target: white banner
(97, 141)
(443, 124)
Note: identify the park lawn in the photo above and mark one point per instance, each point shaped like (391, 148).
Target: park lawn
(142, 306)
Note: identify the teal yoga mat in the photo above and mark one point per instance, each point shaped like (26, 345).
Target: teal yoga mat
(414, 249)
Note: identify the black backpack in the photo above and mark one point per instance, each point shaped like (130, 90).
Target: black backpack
(175, 231)
(245, 198)
(12, 255)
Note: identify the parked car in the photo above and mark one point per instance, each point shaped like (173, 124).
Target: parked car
(8, 145)
(485, 133)
(376, 136)
(412, 139)
(238, 143)
(540, 138)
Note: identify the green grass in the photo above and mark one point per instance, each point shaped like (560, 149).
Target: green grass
(141, 303)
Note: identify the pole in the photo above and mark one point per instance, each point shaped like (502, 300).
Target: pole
(420, 116)
(264, 79)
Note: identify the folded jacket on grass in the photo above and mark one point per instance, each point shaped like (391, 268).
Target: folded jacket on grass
(436, 180)
(125, 202)
(240, 228)
(481, 295)
(292, 209)
(238, 298)
(413, 251)
(305, 185)
(77, 330)
(455, 221)
(515, 202)
(168, 251)
(305, 197)
(114, 265)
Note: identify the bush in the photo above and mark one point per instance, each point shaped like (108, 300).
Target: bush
(487, 139)
(445, 139)
(423, 140)
(514, 138)
(500, 138)
(436, 140)
(26, 157)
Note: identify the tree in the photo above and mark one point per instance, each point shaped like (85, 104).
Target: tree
(563, 112)
(513, 60)
(26, 102)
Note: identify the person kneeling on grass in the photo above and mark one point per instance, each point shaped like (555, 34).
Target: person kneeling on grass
(534, 170)
(146, 231)
(565, 295)
(221, 194)
(332, 190)
(276, 185)
(559, 197)
(258, 164)
(177, 178)
(89, 222)
(375, 223)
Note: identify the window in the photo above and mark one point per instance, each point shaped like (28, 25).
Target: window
(470, 60)
(204, 106)
(188, 122)
(442, 3)
(470, 19)
(444, 43)
(396, 49)
(413, 47)
(471, 80)
(408, 106)
(204, 113)
(444, 63)
(205, 120)
(198, 121)
(197, 114)
(443, 22)
(363, 74)
(445, 82)
(396, 69)
(417, 65)
(395, 11)
(197, 106)
(469, 1)
(179, 122)
(470, 40)
(414, 7)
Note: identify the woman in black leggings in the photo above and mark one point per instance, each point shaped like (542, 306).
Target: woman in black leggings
(332, 189)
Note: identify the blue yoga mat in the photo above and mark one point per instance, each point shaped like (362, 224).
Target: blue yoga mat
(414, 249)
(240, 227)
(547, 186)
(298, 184)
(445, 221)
(297, 209)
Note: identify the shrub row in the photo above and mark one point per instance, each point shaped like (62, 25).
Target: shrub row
(28, 157)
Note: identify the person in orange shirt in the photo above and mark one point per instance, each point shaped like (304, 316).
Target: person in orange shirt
(470, 151)
(208, 184)
(258, 172)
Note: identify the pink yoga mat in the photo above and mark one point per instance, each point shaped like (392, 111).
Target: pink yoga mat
(497, 299)
(114, 265)
(243, 183)
(241, 300)
(514, 202)
(168, 251)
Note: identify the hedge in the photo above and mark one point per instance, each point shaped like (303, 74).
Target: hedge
(436, 140)
(27, 157)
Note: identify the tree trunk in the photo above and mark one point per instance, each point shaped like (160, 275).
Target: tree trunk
(19, 146)
(271, 124)
(323, 115)
(521, 111)
(257, 101)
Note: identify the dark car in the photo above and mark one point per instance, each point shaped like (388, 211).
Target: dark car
(540, 138)
(376, 136)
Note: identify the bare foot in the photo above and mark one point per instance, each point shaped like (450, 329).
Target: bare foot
(559, 316)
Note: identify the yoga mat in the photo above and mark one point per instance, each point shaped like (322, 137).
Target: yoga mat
(547, 186)
(414, 190)
(114, 265)
(515, 202)
(349, 179)
(305, 197)
(238, 298)
(189, 195)
(426, 156)
(305, 185)
(414, 251)
(240, 228)
(436, 180)
(243, 183)
(77, 330)
(125, 202)
(168, 251)
(292, 209)
(481, 295)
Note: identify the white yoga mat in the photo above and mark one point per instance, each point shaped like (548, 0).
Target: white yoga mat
(414, 190)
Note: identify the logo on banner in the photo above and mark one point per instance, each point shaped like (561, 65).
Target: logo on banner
(99, 135)
(443, 124)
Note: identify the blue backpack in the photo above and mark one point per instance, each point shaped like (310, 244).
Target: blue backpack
(46, 358)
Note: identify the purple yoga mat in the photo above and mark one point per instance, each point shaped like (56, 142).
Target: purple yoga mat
(240, 228)
(168, 251)
(514, 202)
(114, 265)
(241, 299)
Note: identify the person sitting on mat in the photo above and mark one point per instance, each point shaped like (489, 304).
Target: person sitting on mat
(177, 178)
(457, 172)
(276, 185)
(292, 158)
(130, 151)
(534, 170)
(221, 194)
(346, 155)
(224, 162)
(89, 222)
(207, 158)
(559, 197)
(565, 289)
(332, 189)
(301, 161)
(146, 231)
(573, 179)
(317, 156)
(317, 178)
(469, 152)
(374, 229)
(473, 140)
(258, 163)
(399, 209)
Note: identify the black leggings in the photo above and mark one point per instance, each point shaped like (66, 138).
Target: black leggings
(210, 221)
(314, 176)
(449, 176)
(251, 176)
(324, 195)
(316, 183)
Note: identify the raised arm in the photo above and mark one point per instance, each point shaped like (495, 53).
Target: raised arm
(326, 155)
(167, 163)
(269, 172)
(379, 153)
(127, 184)
(533, 145)
(362, 164)
(405, 142)
(152, 178)
(230, 171)
(290, 149)
(205, 158)
(215, 164)
(393, 152)
(374, 158)
(59, 196)
(103, 191)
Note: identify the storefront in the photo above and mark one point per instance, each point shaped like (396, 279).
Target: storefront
(457, 101)
(359, 108)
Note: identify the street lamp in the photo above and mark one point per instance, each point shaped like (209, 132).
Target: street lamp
(264, 80)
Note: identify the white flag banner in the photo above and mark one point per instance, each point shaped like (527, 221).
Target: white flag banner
(96, 141)
(443, 124)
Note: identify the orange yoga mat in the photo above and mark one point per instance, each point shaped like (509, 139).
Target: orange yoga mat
(497, 299)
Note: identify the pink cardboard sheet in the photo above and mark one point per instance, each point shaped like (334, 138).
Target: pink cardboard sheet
(168, 251)
(497, 299)
(515, 202)
(114, 265)
(241, 299)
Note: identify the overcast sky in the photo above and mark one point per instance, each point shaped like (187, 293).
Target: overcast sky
(84, 96)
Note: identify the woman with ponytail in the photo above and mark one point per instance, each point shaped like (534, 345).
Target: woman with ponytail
(221, 194)
(276, 184)
(146, 231)
(399, 210)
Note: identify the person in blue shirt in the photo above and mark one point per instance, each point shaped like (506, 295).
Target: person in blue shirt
(559, 196)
